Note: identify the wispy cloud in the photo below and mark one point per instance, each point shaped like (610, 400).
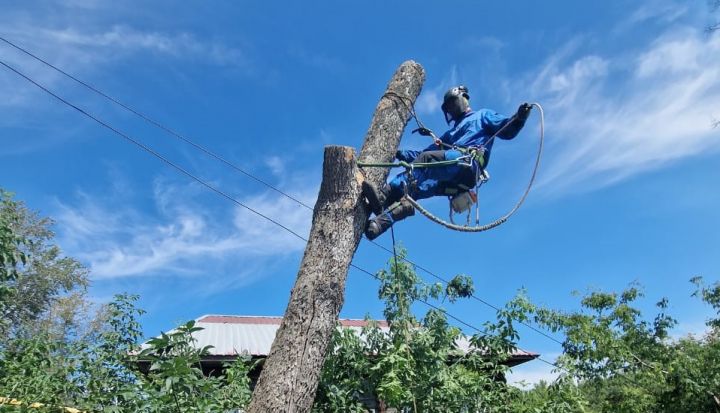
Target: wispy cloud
(316, 60)
(127, 39)
(73, 36)
(485, 43)
(663, 11)
(276, 165)
(430, 99)
(178, 237)
(696, 329)
(611, 117)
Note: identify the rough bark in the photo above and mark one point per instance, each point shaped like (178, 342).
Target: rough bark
(291, 373)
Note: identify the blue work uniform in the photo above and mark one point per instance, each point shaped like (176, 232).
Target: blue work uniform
(472, 130)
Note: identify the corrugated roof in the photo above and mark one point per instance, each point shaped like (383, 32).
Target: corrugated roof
(231, 335)
(243, 319)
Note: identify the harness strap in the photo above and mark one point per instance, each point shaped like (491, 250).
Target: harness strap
(501, 220)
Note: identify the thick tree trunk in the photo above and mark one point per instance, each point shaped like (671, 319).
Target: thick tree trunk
(291, 372)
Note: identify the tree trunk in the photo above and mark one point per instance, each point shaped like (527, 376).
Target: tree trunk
(291, 372)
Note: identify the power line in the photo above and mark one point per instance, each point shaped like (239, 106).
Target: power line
(151, 151)
(249, 174)
(466, 324)
(473, 296)
(222, 193)
(156, 123)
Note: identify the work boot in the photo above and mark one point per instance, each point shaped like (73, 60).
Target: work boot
(377, 198)
(383, 222)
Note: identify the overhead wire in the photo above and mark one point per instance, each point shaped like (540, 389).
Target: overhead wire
(149, 150)
(466, 324)
(235, 167)
(225, 195)
(155, 122)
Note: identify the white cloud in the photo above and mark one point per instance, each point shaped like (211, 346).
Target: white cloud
(316, 60)
(695, 329)
(662, 10)
(577, 77)
(612, 117)
(484, 43)
(276, 165)
(528, 374)
(179, 237)
(73, 37)
(430, 99)
(127, 39)
(77, 41)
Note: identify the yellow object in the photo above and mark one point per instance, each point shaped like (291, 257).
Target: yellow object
(15, 402)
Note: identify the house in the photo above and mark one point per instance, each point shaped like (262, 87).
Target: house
(231, 336)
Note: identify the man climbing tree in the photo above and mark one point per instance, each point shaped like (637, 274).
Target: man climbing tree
(470, 138)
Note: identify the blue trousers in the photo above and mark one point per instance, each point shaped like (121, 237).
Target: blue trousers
(433, 181)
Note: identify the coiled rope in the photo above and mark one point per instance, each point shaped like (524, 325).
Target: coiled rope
(502, 219)
(438, 220)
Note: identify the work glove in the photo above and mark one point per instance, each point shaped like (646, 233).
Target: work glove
(523, 111)
(428, 132)
(423, 131)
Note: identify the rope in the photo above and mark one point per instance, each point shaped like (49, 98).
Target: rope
(505, 217)
(392, 233)
(411, 108)
(408, 165)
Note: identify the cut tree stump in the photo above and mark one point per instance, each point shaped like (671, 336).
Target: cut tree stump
(290, 375)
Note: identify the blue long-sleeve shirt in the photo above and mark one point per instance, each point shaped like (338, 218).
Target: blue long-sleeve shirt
(474, 129)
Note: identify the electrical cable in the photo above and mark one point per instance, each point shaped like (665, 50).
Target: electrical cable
(212, 154)
(155, 123)
(248, 174)
(466, 324)
(150, 150)
(222, 193)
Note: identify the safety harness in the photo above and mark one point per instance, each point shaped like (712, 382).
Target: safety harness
(461, 197)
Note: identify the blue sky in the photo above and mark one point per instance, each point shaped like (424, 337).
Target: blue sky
(626, 192)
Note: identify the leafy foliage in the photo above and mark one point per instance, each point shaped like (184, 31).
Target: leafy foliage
(104, 373)
(45, 357)
(614, 360)
(11, 255)
(417, 364)
(41, 290)
(461, 286)
(710, 295)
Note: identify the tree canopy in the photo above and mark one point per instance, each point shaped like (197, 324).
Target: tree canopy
(615, 359)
